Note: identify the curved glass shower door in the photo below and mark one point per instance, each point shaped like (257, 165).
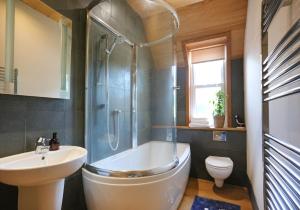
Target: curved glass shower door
(130, 89)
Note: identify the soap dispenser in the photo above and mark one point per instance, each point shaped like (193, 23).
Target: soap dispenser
(53, 143)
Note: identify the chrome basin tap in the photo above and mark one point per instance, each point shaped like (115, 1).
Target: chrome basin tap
(41, 145)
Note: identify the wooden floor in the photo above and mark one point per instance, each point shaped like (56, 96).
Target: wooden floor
(229, 193)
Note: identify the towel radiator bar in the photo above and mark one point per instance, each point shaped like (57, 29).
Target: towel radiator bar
(280, 83)
(15, 78)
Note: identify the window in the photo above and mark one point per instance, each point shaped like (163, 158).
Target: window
(208, 69)
(207, 80)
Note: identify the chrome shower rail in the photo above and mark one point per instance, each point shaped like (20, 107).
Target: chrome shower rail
(173, 12)
(111, 29)
(133, 173)
(162, 3)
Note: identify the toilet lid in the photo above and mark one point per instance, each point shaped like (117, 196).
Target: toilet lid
(221, 162)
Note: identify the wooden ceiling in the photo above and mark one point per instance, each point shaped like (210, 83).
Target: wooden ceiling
(198, 21)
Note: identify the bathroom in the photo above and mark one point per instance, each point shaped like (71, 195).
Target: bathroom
(116, 84)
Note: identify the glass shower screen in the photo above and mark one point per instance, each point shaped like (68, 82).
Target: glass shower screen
(131, 88)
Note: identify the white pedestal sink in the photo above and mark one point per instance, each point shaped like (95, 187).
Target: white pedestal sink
(40, 178)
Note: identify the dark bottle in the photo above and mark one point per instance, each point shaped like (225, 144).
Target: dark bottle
(53, 143)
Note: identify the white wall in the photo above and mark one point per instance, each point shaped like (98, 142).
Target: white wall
(253, 98)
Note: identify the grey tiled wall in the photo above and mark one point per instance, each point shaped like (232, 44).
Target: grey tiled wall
(23, 119)
(203, 146)
(162, 97)
(201, 141)
(237, 89)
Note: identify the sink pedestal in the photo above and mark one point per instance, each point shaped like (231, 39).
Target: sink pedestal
(41, 197)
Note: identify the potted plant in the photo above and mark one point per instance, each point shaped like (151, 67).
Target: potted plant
(219, 109)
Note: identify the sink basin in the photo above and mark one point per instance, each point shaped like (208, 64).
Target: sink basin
(29, 169)
(40, 177)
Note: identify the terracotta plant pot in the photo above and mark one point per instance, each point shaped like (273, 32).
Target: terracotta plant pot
(219, 121)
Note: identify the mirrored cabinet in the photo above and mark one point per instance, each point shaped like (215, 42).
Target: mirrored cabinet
(35, 50)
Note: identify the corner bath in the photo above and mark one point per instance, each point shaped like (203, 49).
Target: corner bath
(162, 191)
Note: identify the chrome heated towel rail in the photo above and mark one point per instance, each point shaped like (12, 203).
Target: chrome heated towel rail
(281, 94)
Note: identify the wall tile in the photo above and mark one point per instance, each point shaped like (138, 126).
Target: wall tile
(42, 120)
(203, 146)
(44, 104)
(12, 143)
(237, 89)
(12, 103)
(12, 132)
(181, 118)
(12, 121)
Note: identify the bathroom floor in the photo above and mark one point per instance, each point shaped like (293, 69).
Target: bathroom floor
(229, 193)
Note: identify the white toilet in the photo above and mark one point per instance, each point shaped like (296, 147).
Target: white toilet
(219, 168)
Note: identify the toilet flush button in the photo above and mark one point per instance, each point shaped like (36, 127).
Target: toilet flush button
(220, 136)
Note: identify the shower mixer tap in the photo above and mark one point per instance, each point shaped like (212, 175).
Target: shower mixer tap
(117, 111)
(42, 145)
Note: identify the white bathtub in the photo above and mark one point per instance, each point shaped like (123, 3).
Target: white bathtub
(163, 191)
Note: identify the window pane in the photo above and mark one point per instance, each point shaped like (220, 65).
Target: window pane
(203, 97)
(207, 73)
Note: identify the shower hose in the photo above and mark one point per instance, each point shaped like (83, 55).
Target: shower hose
(113, 139)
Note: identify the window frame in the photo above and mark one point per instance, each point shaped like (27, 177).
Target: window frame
(200, 42)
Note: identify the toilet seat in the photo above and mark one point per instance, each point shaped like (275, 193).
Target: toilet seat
(219, 162)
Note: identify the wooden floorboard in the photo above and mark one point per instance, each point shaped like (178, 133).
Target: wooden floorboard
(203, 188)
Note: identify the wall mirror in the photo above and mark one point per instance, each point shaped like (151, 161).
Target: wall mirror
(35, 50)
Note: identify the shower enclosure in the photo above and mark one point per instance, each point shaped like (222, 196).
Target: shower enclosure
(130, 85)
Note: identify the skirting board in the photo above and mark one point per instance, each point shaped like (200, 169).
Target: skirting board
(251, 195)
